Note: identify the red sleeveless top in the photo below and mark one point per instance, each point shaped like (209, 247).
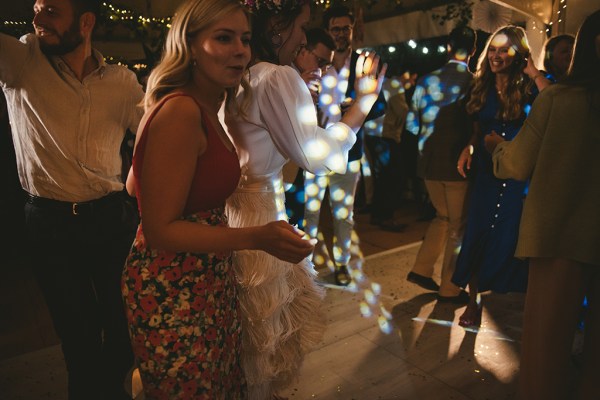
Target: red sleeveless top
(217, 169)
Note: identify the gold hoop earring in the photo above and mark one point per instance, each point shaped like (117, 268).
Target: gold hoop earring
(276, 40)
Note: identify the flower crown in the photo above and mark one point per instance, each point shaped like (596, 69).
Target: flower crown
(275, 6)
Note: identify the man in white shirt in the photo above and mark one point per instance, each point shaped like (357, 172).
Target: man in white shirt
(311, 62)
(69, 112)
(338, 93)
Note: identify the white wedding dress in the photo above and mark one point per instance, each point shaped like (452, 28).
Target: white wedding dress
(280, 302)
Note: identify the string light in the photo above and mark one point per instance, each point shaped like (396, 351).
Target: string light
(559, 18)
(117, 14)
(113, 15)
(559, 14)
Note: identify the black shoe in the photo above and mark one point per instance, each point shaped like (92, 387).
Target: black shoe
(423, 281)
(342, 276)
(461, 298)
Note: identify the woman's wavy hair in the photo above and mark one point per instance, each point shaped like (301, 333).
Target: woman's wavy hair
(175, 67)
(519, 84)
(267, 25)
(585, 65)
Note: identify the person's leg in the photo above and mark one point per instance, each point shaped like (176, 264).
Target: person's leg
(110, 239)
(390, 190)
(590, 379)
(455, 193)
(314, 192)
(367, 177)
(435, 237)
(54, 246)
(554, 296)
(394, 179)
(342, 188)
(381, 150)
(472, 314)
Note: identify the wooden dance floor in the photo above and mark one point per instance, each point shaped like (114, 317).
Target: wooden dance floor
(386, 338)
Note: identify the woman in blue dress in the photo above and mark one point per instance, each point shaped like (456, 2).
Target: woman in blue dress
(505, 85)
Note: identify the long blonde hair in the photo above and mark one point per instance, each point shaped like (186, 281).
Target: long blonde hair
(519, 84)
(175, 67)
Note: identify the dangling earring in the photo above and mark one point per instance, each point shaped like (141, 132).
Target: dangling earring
(194, 63)
(276, 40)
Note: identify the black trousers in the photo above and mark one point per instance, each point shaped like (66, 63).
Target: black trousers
(77, 253)
(387, 176)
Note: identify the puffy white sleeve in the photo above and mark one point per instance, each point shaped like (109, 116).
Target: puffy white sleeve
(291, 119)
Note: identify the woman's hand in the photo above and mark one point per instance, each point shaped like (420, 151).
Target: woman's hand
(491, 141)
(538, 78)
(464, 160)
(285, 242)
(368, 80)
(530, 69)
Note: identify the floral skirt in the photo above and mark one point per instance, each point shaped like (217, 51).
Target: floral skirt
(184, 320)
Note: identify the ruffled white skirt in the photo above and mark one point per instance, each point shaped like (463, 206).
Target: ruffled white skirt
(280, 302)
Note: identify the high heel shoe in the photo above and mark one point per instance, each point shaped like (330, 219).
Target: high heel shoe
(471, 317)
(342, 276)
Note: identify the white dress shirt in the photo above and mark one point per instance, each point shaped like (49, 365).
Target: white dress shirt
(67, 133)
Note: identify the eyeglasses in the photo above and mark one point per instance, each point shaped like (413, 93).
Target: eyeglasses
(336, 30)
(321, 62)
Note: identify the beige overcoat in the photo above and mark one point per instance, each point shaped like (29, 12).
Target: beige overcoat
(558, 147)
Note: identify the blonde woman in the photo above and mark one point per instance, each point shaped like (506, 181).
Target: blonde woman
(506, 83)
(178, 285)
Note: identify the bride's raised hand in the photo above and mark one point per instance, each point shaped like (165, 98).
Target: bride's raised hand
(369, 79)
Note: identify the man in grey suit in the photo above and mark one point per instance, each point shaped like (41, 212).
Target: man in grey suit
(439, 118)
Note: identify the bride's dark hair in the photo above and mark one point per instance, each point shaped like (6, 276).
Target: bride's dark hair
(269, 19)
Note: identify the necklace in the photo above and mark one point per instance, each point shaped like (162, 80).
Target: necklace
(500, 87)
